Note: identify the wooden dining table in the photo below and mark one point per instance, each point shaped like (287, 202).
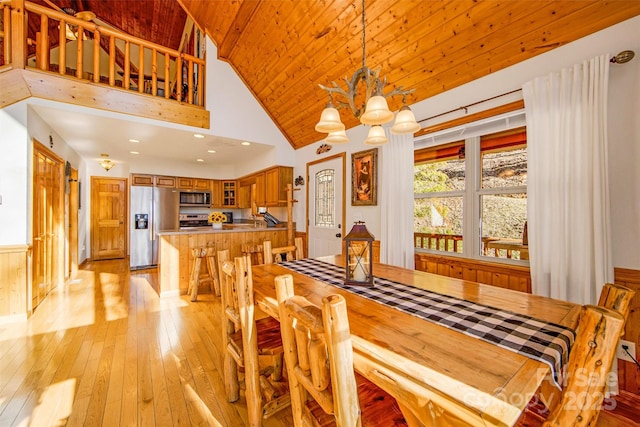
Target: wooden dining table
(480, 382)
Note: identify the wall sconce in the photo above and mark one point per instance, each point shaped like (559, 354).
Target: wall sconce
(106, 162)
(299, 181)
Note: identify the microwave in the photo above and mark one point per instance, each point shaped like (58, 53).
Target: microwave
(195, 198)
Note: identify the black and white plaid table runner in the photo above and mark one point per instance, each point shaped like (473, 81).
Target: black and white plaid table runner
(543, 341)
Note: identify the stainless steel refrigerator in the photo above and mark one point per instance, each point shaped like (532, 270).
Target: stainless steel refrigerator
(152, 209)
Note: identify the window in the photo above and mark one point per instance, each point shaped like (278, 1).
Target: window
(325, 210)
(479, 183)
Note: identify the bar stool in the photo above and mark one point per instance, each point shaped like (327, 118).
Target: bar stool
(209, 254)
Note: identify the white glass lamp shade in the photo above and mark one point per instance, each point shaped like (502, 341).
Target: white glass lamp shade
(337, 137)
(405, 122)
(377, 111)
(376, 136)
(329, 121)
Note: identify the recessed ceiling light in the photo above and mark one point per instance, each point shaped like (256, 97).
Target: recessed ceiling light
(211, 151)
(134, 140)
(198, 135)
(199, 160)
(134, 152)
(245, 143)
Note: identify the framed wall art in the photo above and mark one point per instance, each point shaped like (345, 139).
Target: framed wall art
(364, 178)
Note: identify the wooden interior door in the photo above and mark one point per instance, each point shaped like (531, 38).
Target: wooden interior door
(108, 213)
(48, 223)
(73, 223)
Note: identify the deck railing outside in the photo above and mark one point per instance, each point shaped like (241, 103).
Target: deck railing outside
(143, 66)
(438, 241)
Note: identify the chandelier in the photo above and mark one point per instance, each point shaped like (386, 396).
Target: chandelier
(373, 111)
(106, 162)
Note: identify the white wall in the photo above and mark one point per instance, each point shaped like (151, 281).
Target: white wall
(14, 190)
(624, 127)
(235, 113)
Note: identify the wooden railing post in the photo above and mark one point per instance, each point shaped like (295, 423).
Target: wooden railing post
(96, 56)
(42, 44)
(18, 34)
(79, 60)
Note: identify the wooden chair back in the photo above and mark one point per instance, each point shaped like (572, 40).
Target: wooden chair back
(589, 363)
(230, 325)
(244, 340)
(221, 257)
(256, 253)
(318, 355)
(285, 253)
(617, 298)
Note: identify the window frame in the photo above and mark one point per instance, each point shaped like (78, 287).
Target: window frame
(473, 192)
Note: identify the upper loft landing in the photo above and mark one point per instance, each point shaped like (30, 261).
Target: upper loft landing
(49, 54)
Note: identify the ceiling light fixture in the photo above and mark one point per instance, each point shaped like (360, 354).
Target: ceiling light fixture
(245, 143)
(198, 135)
(134, 152)
(134, 140)
(199, 160)
(373, 111)
(106, 162)
(211, 151)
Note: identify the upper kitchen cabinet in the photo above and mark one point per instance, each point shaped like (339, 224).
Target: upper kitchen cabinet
(166, 181)
(139, 179)
(194, 183)
(260, 196)
(277, 179)
(229, 194)
(216, 193)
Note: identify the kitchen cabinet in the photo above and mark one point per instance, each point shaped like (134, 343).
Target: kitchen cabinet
(229, 196)
(202, 184)
(194, 183)
(276, 180)
(166, 181)
(260, 195)
(216, 193)
(244, 196)
(139, 179)
(186, 183)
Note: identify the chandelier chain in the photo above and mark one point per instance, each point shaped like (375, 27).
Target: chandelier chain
(364, 39)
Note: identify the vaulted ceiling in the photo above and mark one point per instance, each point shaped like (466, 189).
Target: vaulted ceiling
(283, 49)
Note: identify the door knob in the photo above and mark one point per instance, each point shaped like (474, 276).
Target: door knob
(338, 234)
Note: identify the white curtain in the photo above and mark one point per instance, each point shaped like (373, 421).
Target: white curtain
(568, 196)
(395, 182)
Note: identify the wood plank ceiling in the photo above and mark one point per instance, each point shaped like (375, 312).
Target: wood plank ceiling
(282, 49)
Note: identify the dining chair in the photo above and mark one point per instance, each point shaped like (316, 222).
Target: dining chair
(255, 251)
(245, 339)
(586, 375)
(284, 253)
(616, 297)
(319, 361)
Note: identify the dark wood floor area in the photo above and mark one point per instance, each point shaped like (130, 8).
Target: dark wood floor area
(105, 350)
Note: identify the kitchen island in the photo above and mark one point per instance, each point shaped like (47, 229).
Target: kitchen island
(175, 258)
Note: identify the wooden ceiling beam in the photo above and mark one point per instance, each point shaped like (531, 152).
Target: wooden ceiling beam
(240, 23)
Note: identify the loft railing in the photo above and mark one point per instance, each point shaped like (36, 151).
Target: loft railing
(101, 55)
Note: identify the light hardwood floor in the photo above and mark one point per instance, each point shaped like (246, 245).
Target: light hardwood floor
(106, 350)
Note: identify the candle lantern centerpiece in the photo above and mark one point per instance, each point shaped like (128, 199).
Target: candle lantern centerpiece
(359, 263)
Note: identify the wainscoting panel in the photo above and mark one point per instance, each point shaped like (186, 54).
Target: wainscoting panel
(15, 283)
(629, 373)
(502, 275)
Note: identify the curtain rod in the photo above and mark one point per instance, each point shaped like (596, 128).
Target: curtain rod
(466, 107)
(621, 58)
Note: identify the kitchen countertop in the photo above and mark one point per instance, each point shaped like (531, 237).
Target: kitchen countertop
(226, 228)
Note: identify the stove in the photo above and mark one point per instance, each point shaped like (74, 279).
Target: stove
(193, 220)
